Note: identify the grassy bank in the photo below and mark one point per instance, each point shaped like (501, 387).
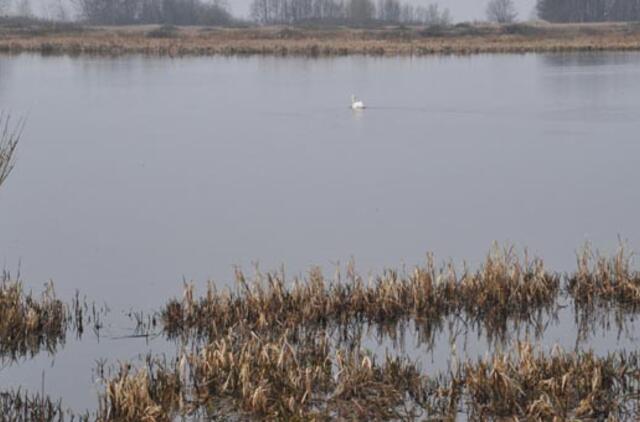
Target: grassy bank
(48, 38)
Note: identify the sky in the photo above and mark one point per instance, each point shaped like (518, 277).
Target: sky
(461, 10)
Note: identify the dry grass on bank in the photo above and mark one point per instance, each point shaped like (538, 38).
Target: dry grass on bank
(329, 41)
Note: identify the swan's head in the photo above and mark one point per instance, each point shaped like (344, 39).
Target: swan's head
(353, 98)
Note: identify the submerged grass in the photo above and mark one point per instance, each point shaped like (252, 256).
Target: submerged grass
(20, 406)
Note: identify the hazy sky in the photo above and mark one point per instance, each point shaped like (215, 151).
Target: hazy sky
(461, 10)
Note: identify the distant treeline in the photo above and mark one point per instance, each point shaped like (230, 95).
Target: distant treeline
(176, 12)
(346, 11)
(588, 10)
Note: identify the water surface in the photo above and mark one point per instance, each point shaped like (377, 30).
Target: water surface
(135, 173)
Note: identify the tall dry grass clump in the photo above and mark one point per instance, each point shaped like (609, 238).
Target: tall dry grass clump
(600, 280)
(508, 288)
(556, 386)
(27, 323)
(151, 394)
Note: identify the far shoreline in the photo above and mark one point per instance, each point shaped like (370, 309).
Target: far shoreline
(461, 39)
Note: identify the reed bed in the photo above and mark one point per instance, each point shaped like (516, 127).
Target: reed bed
(251, 377)
(600, 280)
(556, 386)
(505, 287)
(154, 394)
(29, 324)
(337, 41)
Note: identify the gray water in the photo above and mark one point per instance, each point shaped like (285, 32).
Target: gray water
(136, 173)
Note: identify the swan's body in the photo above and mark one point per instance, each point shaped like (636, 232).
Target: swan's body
(356, 104)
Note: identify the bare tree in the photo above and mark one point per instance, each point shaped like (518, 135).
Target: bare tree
(5, 5)
(501, 11)
(361, 10)
(389, 10)
(9, 137)
(24, 8)
(176, 12)
(432, 15)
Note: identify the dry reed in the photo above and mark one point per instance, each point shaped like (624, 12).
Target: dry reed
(142, 395)
(557, 386)
(246, 376)
(249, 376)
(281, 41)
(602, 280)
(504, 288)
(29, 324)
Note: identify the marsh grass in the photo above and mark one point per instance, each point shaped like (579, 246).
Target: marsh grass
(293, 350)
(253, 377)
(506, 287)
(600, 280)
(605, 291)
(276, 378)
(555, 386)
(339, 41)
(266, 351)
(29, 324)
(152, 394)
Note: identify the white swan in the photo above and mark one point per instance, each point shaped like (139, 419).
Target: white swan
(356, 104)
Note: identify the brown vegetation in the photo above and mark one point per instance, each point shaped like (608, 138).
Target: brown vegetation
(556, 386)
(458, 39)
(278, 379)
(600, 280)
(29, 324)
(505, 288)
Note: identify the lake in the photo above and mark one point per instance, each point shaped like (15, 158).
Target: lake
(137, 173)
